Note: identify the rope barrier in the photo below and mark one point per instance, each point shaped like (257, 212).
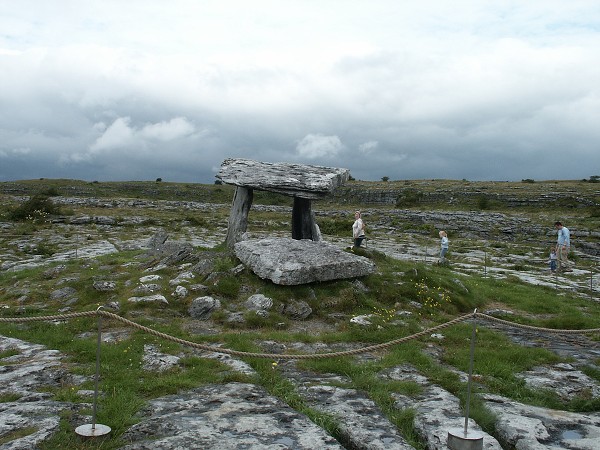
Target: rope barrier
(534, 328)
(226, 351)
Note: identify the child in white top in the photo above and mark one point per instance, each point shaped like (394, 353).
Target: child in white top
(358, 229)
(444, 246)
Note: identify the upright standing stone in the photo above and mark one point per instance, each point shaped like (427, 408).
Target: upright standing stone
(238, 219)
(302, 219)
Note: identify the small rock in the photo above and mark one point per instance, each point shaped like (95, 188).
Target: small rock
(147, 278)
(298, 310)
(363, 320)
(105, 286)
(258, 302)
(202, 307)
(147, 288)
(62, 293)
(149, 299)
(180, 292)
(155, 361)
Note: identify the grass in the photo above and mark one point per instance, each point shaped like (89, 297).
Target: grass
(425, 295)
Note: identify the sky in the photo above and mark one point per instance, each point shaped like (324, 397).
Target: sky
(116, 90)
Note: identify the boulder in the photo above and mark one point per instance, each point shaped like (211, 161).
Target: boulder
(288, 261)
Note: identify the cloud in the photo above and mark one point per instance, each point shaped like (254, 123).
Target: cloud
(168, 131)
(427, 90)
(120, 134)
(367, 148)
(117, 135)
(314, 146)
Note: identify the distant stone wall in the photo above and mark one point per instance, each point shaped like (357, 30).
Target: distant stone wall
(378, 195)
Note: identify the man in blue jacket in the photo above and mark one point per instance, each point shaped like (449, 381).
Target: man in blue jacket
(563, 244)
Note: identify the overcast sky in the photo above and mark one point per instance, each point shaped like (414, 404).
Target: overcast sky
(137, 90)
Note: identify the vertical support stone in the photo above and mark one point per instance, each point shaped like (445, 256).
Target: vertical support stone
(238, 218)
(302, 219)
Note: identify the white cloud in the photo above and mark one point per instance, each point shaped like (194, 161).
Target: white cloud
(167, 131)
(452, 85)
(318, 146)
(117, 135)
(121, 134)
(366, 148)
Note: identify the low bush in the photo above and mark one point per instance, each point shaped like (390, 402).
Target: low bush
(37, 209)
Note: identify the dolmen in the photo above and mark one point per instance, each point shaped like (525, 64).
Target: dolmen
(304, 258)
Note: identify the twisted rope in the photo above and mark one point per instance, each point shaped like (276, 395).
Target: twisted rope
(533, 328)
(370, 348)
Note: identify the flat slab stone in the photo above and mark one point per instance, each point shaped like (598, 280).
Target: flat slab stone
(289, 261)
(296, 180)
(531, 427)
(225, 417)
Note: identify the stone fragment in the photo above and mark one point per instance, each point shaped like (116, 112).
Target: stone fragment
(155, 361)
(288, 261)
(104, 286)
(258, 302)
(362, 320)
(180, 292)
(63, 293)
(53, 272)
(298, 310)
(147, 288)
(147, 278)
(157, 298)
(183, 277)
(202, 307)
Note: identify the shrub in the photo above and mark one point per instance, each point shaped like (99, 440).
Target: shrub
(228, 286)
(36, 209)
(335, 227)
(483, 202)
(409, 197)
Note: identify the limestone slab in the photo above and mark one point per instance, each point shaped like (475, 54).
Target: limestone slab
(288, 261)
(296, 180)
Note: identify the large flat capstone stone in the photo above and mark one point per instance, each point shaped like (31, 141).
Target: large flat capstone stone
(296, 180)
(290, 261)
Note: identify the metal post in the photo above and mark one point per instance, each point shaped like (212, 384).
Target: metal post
(471, 359)
(485, 263)
(464, 439)
(94, 429)
(591, 283)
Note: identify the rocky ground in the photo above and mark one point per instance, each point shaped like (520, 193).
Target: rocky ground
(242, 415)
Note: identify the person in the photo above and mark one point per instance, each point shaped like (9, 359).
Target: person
(444, 245)
(563, 243)
(358, 229)
(552, 259)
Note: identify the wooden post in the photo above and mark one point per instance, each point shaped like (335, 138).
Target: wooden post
(302, 219)
(238, 218)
